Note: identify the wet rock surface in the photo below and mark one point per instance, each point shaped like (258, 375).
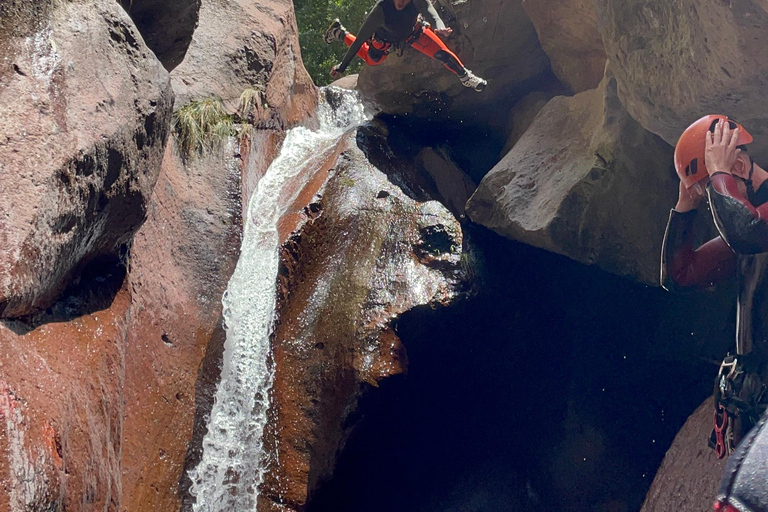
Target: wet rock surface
(242, 45)
(81, 140)
(98, 390)
(181, 260)
(61, 398)
(496, 40)
(675, 62)
(364, 248)
(587, 181)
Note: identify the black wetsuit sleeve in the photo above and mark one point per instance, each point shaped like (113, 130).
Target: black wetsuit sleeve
(740, 224)
(428, 10)
(684, 267)
(372, 23)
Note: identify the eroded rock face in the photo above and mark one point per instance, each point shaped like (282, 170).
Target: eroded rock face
(241, 45)
(496, 40)
(586, 181)
(718, 64)
(569, 35)
(181, 261)
(690, 475)
(86, 109)
(61, 400)
(361, 253)
(166, 26)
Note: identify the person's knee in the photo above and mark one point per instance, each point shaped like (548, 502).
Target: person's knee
(449, 60)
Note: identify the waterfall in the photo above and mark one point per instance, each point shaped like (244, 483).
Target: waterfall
(232, 465)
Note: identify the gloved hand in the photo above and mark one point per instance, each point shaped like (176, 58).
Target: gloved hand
(335, 73)
(444, 32)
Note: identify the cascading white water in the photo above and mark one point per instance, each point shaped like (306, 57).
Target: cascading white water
(232, 465)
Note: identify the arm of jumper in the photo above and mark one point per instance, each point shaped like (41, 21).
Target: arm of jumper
(684, 267)
(428, 10)
(740, 224)
(374, 20)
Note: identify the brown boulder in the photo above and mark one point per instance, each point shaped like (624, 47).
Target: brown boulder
(690, 474)
(362, 253)
(61, 402)
(525, 111)
(585, 181)
(181, 261)
(86, 108)
(677, 61)
(241, 45)
(496, 40)
(569, 35)
(166, 26)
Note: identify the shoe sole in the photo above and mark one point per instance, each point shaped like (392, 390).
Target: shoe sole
(327, 37)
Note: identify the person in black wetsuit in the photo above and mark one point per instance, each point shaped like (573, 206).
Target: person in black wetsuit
(395, 23)
(711, 159)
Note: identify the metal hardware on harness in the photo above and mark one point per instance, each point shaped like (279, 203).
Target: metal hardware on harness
(728, 371)
(723, 434)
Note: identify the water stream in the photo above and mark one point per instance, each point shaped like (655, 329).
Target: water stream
(232, 464)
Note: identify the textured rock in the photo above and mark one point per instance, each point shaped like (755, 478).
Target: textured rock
(522, 115)
(181, 261)
(347, 82)
(86, 108)
(494, 39)
(676, 61)
(453, 186)
(245, 44)
(690, 475)
(585, 181)
(97, 397)
(361, 253)
(166, 26)
(569, 35)
(61, 401)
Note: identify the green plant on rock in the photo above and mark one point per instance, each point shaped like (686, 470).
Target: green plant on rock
(251, 104)
(201, 124)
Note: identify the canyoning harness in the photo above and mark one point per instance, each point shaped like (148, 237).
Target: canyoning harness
(381, 48)
(740, 400)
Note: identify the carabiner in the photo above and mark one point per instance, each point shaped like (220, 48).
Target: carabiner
(721, 428)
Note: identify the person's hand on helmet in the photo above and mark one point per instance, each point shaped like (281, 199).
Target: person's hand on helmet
(335, 73)
(720, 149)
(444, 32)
(688, 198)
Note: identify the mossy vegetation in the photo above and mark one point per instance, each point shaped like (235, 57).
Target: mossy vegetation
(252, 103)
(202, 124)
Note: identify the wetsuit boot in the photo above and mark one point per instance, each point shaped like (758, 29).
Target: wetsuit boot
(469, 79)
(335, 32)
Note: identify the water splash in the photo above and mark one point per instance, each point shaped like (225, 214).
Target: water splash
(232, 464)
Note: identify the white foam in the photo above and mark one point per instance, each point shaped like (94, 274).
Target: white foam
(233, 462)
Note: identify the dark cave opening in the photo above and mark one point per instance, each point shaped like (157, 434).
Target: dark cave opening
(557, 387)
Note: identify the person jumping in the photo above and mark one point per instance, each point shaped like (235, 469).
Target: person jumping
(392, 24)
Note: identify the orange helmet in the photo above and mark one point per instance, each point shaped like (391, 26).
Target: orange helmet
(689, 152)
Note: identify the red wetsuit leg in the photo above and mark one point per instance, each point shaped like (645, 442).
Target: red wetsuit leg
(363, 52)
(431, 45)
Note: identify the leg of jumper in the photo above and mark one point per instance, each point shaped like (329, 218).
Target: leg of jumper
(373, 58)
(431, 45)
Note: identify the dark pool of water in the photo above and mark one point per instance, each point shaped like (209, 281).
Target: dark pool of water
(558, 387)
